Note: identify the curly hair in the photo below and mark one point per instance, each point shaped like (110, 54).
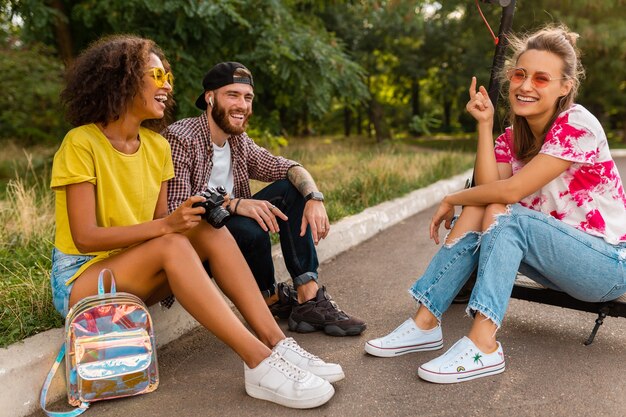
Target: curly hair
(560, 41)
(105, 78)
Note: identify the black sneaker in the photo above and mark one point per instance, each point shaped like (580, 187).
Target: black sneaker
(287, 298)
(322, 313)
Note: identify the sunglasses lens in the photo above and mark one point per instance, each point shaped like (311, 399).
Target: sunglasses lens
(541, 80)
(517, 76)
(161, 77)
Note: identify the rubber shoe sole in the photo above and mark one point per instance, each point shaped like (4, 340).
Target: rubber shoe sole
(261, 393)
(454, 377)
(329, 329)
(403, 350)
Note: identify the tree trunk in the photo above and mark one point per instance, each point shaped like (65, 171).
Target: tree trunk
(378, 120)
(415, 96)
(447, 114)
(306, 128)
(63, 36)
(284, 123)
(359, 121)
(347, 121)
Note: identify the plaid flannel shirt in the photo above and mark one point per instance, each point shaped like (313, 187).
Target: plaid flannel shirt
(192, 153)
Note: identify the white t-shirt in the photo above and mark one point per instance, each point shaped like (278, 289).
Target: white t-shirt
(222, 172)
(589, 195)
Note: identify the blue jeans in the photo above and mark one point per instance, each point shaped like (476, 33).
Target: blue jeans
(64, 267)
(299, 252)
(543, 248)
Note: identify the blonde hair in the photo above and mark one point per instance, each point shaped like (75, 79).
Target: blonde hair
(560, 41)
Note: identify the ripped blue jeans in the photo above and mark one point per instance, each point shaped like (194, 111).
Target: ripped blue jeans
(541, 247)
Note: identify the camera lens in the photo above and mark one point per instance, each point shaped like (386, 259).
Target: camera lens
(218, 217)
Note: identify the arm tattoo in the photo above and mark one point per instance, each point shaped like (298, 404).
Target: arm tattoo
(301, 179)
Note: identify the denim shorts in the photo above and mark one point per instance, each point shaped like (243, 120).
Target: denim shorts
(63, 268)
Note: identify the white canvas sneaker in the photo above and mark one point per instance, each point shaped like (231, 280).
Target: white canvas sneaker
(279, 381)
(293, 352)
(406, 338)
(462, 362)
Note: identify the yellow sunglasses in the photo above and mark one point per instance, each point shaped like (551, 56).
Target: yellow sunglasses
(160, 77)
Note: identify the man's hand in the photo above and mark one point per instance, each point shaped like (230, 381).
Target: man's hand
(264, 212)
(445, 211)
(315, 216)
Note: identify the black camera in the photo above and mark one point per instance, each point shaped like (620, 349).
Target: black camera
(214, 213)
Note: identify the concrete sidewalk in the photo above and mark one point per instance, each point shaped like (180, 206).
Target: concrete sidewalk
(549, 370)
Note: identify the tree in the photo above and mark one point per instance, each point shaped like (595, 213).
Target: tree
(383, 37)
(298, 66)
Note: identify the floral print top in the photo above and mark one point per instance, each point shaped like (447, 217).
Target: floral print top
(589, 195)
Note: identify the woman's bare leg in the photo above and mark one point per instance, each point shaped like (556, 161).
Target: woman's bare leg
(235, 279)
(470, 220)
(139, 270)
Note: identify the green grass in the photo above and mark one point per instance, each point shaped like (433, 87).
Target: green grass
(353, 174)
(26, 231)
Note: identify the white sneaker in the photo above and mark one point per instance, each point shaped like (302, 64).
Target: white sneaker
(293, 352)
(282, 382)
(462, 362)
(406, 338)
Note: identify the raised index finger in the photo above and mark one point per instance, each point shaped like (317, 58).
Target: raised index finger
(472, 89)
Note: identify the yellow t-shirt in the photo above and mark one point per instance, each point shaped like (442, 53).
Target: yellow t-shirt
(127, 186)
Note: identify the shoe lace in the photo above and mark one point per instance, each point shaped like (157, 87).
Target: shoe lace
(396, 334)
(330, 305)
(462, 356)
(293, 345)
(285, 367)
(287, 294)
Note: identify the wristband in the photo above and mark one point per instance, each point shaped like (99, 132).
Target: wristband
(237, 205)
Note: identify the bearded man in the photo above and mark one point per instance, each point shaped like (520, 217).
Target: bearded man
(214, 150)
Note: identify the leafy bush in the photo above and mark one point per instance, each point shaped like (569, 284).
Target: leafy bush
(422, 125)
(29, 103)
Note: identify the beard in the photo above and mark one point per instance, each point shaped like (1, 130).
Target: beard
(221, 120)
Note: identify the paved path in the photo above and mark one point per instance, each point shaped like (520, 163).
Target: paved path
(549, 371)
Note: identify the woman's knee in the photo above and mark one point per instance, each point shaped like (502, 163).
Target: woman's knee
(491, 213)
(171, 244)
(469, 220)
(472, 214)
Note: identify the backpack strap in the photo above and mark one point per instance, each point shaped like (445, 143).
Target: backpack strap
(101, 290)
(44, 391)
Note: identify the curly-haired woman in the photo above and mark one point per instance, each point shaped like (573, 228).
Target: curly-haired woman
(548, 195)
(110, 179)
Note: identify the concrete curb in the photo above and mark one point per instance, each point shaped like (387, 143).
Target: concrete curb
(24, 365)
